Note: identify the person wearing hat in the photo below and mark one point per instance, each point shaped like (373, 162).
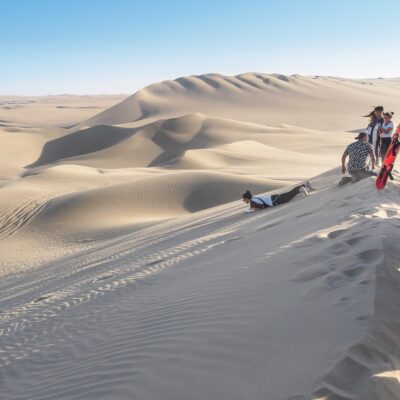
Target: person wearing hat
(358, 153)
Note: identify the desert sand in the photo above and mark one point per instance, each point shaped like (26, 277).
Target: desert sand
(129, 269)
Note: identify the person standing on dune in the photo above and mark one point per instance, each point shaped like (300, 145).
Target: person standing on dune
(375, 123)
(358, 153)
(386, 133)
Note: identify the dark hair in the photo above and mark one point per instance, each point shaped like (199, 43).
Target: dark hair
(247, 195)
(389, 114)
(372, 113)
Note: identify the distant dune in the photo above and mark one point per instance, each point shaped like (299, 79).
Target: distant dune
(166, 142)
(317, 102)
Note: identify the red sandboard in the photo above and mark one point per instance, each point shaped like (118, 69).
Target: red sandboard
(387, 166)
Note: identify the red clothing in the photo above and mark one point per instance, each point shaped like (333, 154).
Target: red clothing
(253, 204)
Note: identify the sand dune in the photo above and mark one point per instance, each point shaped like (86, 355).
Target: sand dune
(28, 123)
(299, 302)
(109, 178)
(324, 103)
(158, 197)
(165, 142)
(129, 270)
(252, 129)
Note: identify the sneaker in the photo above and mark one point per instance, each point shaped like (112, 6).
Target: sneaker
(304, 191)
(308, 186)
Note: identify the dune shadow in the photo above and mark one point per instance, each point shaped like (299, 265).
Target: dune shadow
(82, 142)
(177, 135)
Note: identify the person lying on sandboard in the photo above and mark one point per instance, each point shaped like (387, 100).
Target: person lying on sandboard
(261, 202)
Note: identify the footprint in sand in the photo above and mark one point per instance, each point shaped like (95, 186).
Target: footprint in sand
(337, 249)
(367, 213)
(354, 272)
(41, 298)
(154, 262)
(370, 256)
(364, 320)
(310, 273)
(390, 213)
(334, 280)
(304, 215)
(356, 240)
(104, 277)
(232, 239)
(268, 226)
(366, 282)
(335, 234)
(334, 204)
(344, 301)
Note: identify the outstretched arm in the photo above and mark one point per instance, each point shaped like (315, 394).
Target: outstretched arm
(372, 155)
(373, 160)
(343, 162)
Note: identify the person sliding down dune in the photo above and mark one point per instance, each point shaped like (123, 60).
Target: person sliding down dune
(261, 202)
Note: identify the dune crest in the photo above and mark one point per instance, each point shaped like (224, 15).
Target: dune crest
(325, 103)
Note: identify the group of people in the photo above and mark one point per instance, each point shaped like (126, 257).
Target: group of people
(370, 147)
(368, 150)
(380, 131)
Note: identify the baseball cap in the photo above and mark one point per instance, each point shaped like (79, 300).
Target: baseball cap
(361, 135)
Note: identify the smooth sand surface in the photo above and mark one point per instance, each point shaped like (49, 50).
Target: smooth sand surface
(130, 270)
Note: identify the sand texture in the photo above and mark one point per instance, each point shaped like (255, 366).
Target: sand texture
(129, 269)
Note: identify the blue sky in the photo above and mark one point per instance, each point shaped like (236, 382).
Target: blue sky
(119, 46)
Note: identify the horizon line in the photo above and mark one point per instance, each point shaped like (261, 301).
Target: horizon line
(77, 94)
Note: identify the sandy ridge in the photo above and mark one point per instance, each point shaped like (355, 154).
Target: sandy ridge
(151, 331)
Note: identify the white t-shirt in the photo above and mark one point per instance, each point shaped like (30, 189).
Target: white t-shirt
(267, 200)
(385, 126)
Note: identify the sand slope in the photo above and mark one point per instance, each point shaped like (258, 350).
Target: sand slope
(298, 302)
(257, 131)
(106, 179)
(126, 271)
